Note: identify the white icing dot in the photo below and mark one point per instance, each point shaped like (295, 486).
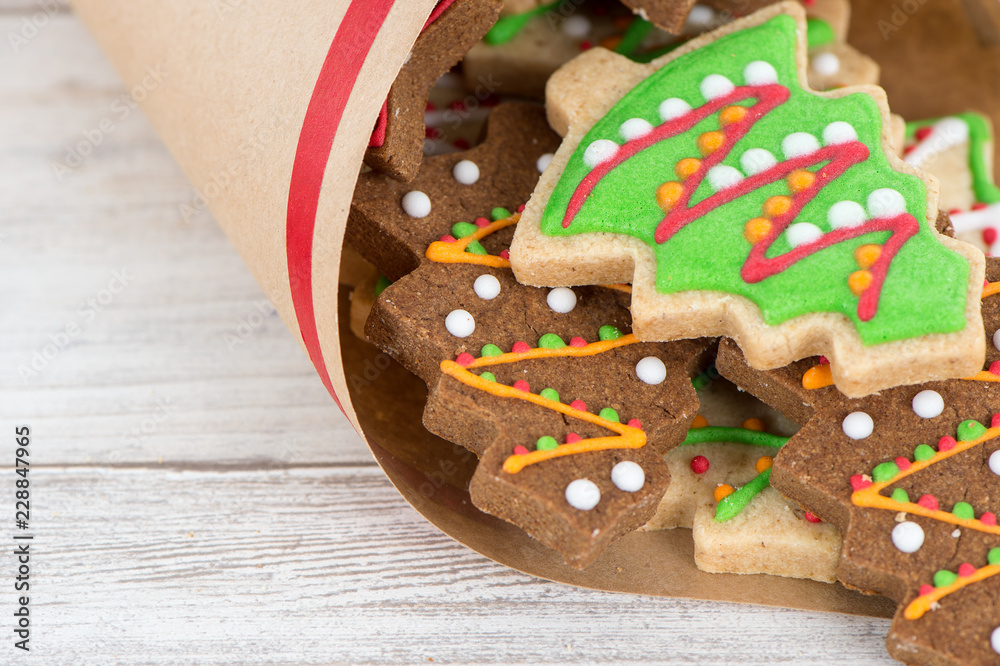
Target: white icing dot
(576, 26)
(846, 214)
(460, 323)
(715, 86)
(839, 132)
(651, 370)
(858, 425)
(601, 150)
(561, 300)
(802, 233)
(886, 202)
(799, 144)
(759, 73)
(634, 128)
(928, 404)
(756, 160)
(673, 108)
(416, 204)
(583, 494)
(995, 462)
(487, 287)
(996, 339)
(908, 537)
(721, 177)
(466, 172)
(543, 162)
(701, 17)
(995, 640)
(628, 476)
(827, 64)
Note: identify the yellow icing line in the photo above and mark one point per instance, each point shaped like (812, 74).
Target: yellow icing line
(624, 288)
(916, 608)
(454, 253)
(592, 349)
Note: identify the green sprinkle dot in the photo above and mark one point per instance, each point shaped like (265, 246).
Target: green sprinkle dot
(546, 443)
(609, 414)
(993, 557)
(380, 284)
(551, 341)
(884, 472)
(700, 382)
(463, 229)
(609, 333)
(490, 350)
(900, 495)
(944, 578)
(499, 213)
(475, 247)
(819, 33)
(550, 394)
(963, 510)
(488, 376)
(923, 452)
(970, 430)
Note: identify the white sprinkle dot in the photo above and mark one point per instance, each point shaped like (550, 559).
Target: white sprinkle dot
(576, 26)
(633, 128)
(802, 233)
(628, 476)
(561, 300)
(673, 108)
(715, 86)
(886, 202)
(995, 462)
(416, 204)
(487, 287)
(846, 214)
(839, 132)
(756, 160)
(760, 73)
(827, 64)
(583, 494)
(466, 172)
(799, 144)
(601, 150)
(908, 537)
(651, 370)
(721, 177)
(928, 404)
(858, 425)
(701, 17)
(460, 323)
(995, 640)
(543, 162)
(996, 339)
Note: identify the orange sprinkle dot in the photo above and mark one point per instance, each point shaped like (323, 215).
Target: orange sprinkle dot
(687, 167)
(867, 255)
(817, 377)
(732, 114)
(859, 281)
(668, 194)
(699, 422)
(754, 424)
(756, 229)
(722, 491)
(801, 180)
(709, 142)
(612, 42)
(776, 206)
(764, 463)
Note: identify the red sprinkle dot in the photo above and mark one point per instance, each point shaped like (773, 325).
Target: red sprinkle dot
(812, 518)
(431, 132)
(909, 149)
(520, 209)
(923, 133)
(859, 482)
(989, 518)
(461, 144)
(465, 359)
(926, 589)
(520, 346)
(979, 205)
(995, 421)
(989, 235)
(520, 450)
(995, 368)
(823, 360)
(946, 443)
(903, 463)
(965, 570)
(928, 502)
(482, 222)
(579, 405)
(634, 423)
(699, 464)
(585, 45)
(954, 211)
(572, 437)
(457, 105)
(505, 254)
(577, 341)
(448, 238)
(522, 385)
(430, 106)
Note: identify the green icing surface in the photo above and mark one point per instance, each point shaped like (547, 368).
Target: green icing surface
(819, 33)
(980, 136)
(925, 289)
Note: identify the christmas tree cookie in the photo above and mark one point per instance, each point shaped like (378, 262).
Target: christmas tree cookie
(741, 203)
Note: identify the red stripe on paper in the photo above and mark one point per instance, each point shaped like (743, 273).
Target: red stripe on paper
(351, 44)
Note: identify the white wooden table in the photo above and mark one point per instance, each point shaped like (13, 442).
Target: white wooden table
(200, 500)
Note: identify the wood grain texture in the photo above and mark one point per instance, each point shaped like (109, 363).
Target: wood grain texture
(249, 523)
